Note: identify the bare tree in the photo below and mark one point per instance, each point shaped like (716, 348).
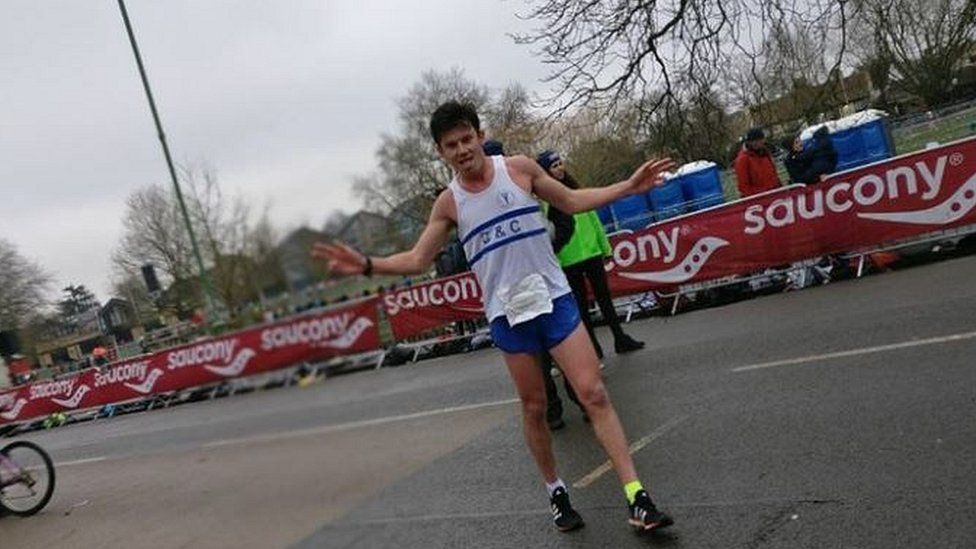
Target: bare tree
(23, 287)
(262, 249)
(409, 167)
(154, 233)
(870, 53)
(410, 172)
(924, 41)
(598, 148)
(234, 247)
(223, 228)
(695, 126)
(511, 119)
(608, 54)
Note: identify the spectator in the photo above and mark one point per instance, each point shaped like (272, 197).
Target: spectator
(99, 357)
(809, 165)
(755, 171)
(580, 244)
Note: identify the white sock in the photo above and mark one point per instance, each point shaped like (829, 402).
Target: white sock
(552, 487)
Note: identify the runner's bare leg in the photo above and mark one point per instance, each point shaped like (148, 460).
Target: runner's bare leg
(525, 372)
(578, 361)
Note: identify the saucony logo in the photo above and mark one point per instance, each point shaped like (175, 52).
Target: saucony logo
(689, 266)
(346, 340)
(951, 210)
(236, 366)
(75, 399)
(13, 412)
(147, 384)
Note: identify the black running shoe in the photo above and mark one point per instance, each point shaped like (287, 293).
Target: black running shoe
(645, 516)
(563, 515)
(627, 344)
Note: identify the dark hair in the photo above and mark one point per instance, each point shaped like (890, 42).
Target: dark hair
(450, 115)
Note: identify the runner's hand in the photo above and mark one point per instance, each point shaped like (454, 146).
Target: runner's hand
(340, 258)
(650, 174)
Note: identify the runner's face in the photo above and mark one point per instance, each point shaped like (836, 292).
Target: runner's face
(461, 148)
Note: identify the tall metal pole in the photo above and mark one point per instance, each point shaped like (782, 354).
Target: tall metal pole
(204, 277)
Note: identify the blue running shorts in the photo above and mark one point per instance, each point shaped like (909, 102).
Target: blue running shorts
(542, 332)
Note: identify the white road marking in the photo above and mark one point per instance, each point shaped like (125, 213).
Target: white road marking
(356, 424)
(634, 448)
(857, 352)
(79, 462)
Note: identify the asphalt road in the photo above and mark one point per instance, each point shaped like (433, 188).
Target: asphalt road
(841, 416)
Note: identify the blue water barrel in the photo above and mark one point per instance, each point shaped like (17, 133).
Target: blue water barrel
(668, 200)
(850, 148)
(632, 212)
(606, 218)
(702, 188)
(877, 141)
(868, 141)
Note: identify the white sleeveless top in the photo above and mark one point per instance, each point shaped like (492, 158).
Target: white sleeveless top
(505, 240)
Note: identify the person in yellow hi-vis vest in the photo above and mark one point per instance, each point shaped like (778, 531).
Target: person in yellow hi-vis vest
(581, 258)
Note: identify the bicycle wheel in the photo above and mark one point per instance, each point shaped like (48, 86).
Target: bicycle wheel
(27, 474)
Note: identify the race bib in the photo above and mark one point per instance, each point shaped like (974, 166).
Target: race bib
(526, 299)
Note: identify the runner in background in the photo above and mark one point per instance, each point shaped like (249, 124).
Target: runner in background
(527, 297)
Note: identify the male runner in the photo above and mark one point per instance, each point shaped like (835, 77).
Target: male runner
(527, 299)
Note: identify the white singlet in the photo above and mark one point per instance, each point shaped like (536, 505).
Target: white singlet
(505, 239)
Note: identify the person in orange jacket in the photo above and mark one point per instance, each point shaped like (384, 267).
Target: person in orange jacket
(755, 171)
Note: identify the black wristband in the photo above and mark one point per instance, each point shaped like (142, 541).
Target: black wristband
(368, 269)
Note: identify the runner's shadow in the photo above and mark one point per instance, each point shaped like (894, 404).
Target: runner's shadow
(660, 538)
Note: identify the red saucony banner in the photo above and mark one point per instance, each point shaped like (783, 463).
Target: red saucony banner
(911, 195)
(424, 306)
(314, 336)
(908, 196)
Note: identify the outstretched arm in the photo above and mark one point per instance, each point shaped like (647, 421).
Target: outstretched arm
(344, 260)
(649, 175)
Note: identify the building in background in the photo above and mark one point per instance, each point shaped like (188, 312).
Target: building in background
(120, 321)
(368, 232)
(295, 254)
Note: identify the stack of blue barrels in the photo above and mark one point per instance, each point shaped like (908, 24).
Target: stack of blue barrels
(693, 187)
(668, 200)
(631, 213)
(861, 138)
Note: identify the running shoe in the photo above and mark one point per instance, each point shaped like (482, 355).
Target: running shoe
(563, 515)
(645, 516)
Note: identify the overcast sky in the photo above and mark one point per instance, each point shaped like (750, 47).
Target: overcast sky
(285, 99)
